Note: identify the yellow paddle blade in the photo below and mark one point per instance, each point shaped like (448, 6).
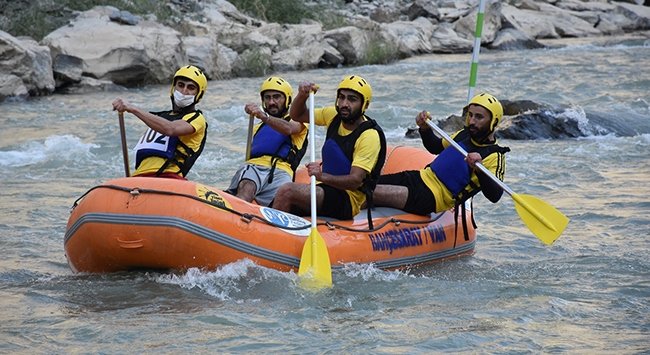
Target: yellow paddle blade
(315, 269)
(544, 220)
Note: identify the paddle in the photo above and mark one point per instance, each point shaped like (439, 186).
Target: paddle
(125, 152)
(315, 268)
(249, 137)
(546, 222)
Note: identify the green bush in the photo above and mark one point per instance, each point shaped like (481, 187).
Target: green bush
(279, 11)
(253, 62)
(38, 18)
(380, 51)
(293, 11)
(331, 20)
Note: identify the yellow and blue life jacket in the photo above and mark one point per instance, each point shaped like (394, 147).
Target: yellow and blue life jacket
(154, 143)
(338, 151)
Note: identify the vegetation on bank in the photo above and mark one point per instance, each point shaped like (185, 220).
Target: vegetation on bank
(292, 11)
(379, 51)
(37, 18)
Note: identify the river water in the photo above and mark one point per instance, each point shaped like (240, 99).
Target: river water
(588, 293)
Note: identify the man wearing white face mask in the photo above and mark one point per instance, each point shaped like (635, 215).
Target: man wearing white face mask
(174, 139)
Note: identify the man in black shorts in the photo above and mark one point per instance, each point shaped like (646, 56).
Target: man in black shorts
(352, 155)
(451, 178)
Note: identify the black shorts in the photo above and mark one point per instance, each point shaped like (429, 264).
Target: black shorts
(336, 203)
(420, 200)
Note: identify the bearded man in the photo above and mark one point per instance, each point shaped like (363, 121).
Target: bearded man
(450, 179)
(352, 155)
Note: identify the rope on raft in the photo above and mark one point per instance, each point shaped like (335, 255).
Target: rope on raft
(249, 216)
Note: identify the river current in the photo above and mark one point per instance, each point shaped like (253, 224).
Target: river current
(589, 292)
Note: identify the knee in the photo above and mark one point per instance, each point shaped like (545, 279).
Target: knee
(284, 192)
(283, 189)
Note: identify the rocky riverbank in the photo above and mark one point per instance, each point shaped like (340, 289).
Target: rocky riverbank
(105, 48)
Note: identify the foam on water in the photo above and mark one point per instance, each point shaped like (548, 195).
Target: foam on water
(235, 281)
(57, 148)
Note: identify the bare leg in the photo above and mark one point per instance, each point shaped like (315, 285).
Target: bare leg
(296, 195)
(246, 190)
(390, 196)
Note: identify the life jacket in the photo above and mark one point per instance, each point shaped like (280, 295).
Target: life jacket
(452, 170)
(154, 143)
(338, 151)
(268, 141)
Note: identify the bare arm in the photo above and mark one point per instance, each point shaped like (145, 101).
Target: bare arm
(298, 110)
(351, 181)
(158, 124)
(279, 124)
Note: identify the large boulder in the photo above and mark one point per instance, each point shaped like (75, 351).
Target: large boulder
(529, 22)
(637, 15)
(413, 37)
(147, 52)
(306, 57)
(568, 23)
(512, 38)
(25, 67)
(446, 40)
(351, 42)
(466, 25)
(12, 86)
(214, 58)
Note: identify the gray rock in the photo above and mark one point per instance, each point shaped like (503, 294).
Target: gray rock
(24, 60)
(126, 55)
(67, 69)
(125, 18)
(512, 38)
(12, 86)
(422, 8)
(350, 41)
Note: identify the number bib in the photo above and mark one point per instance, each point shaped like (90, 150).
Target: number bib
(155, 143)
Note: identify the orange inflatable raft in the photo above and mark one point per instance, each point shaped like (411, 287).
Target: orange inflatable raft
(154, 223)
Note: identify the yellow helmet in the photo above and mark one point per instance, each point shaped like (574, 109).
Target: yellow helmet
(358, 85)
(491, 104)
(196, 75)
(278, 84)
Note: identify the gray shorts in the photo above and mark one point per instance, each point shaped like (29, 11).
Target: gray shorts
(265, 192)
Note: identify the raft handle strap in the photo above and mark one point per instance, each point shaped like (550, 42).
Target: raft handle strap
(247, 218)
